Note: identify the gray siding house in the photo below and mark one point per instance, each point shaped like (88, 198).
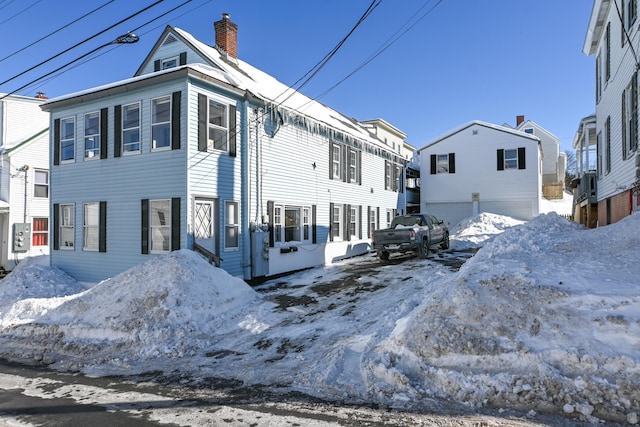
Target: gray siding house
(200, 150)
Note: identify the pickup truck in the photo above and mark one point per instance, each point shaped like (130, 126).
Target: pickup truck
(411, 233)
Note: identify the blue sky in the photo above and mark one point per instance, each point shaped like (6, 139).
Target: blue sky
(466, 60)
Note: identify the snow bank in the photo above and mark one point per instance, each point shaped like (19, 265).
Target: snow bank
(169, 306)
(546, 316)
(473, 232)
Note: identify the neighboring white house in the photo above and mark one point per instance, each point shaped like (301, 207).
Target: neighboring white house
(200, 150)
(554, 162)
(481, 167)
(612, 38)
(24, 179)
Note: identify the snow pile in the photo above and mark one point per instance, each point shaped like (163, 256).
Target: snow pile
(546, 316)
(475, 231)
(169, 306)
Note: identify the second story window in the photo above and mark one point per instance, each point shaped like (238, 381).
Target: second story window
(67, 139)
(217, 124)
(92, 135)
(161, 122)
(41, 183)
(512, 158)
(131, 128)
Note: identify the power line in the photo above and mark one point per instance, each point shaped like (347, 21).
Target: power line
(10, 1)
(21, 12)
(82, 42)
(57, 31)
(61, 70)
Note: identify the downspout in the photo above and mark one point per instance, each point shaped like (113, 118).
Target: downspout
(244, 173)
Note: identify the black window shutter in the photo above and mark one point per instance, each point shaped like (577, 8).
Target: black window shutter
(331, 224)
(233, 131)
(117, 131)
(345, 159)
(56, 226)
(452, 162)
(270, 211)
(183, 58)
(102, 234)
(103, 132)
(360, 222)
(145, 226)
(347, 222)
(433, 164)
(500, 159)
(359, 166)
(175, 120)
(314, 226)
(521, 158)
(56, 142)
(175, 223)
(156, 65)
(369, 230)
(387, 167)
(377, 218)
(202, 122)
(330, 160)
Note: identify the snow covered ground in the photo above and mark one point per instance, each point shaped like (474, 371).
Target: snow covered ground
(544, 318)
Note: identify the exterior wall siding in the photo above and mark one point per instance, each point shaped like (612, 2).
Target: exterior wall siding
(22, 118)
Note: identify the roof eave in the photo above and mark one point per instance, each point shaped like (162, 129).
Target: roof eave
(599, 14)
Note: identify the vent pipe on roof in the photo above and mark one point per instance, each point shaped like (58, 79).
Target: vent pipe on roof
(227, 36)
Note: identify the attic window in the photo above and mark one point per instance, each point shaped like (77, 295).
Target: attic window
(528, 130)
(170, 39)
(169, 63)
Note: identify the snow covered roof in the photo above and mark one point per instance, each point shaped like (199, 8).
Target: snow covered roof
(483, 124)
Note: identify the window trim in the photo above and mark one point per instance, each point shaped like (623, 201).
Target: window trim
(36, 232)
(40, 185)
(167, 123)
(90, 227)
(71, 141)
(304, 227)
(336, 231)
(211, 144)
(165, 224)
(165, 61)
(94, 136)
(124, 129)
(233, 224)
(67, 223)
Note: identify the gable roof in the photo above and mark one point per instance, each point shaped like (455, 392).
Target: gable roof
(531, 123)
(597, 21)
(491, 126)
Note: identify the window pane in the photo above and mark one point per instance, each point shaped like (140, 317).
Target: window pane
(292, 225)
(161, 135)
(160, 211)
(231, 236)
(217, 114)
(218, 138)
(130, 116)
(67, 129)
(443, 163)
(511, 159)
(161, 110)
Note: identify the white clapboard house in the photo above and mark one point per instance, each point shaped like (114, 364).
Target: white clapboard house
(24, 179)
(200, 150)
(481, 167)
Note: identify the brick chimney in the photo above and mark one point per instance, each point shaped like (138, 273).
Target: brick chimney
(519, 120)
(227, 36)
(41, 95)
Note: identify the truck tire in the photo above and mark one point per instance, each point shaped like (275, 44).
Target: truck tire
(445, 242)
(383, 255)
(424, 249)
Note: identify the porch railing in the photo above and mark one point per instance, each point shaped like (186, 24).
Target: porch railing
(210, 256)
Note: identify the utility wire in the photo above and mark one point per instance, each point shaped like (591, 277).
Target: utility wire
(21, 12)
(82, 42)
(61, 70)
(11, 1)
(318, 66)
(390, 41)
(57, 31)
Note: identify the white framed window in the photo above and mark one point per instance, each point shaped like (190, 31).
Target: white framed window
(67, 227)
(511, 159)
(353, 166)
(131, 128)
(630, 117)
(337, 222)
(277, 223)
(442, 163)
(390, 215)
(353, 222)
(161, 123)
(291, 224)
(231, 226)
(218, 132)
(530, 131)
(67, 139)
(160, 225)
(169, 62)
(388, 176)
(373, 224)
(92, 135)
(336, 161)
(91, 215)
(41, 183)
(40, 232)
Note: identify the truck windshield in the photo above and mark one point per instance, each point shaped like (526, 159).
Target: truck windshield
(406, 221)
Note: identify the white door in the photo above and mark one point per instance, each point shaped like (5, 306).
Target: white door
(204, 224)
